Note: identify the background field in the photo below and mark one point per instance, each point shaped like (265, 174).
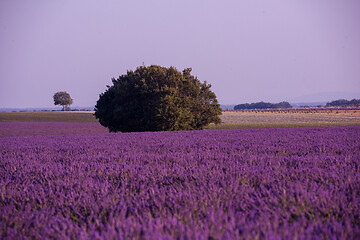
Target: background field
(54, 123)
(270, 119)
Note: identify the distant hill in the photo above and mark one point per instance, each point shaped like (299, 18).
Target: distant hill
(324, 97)
(227, 107)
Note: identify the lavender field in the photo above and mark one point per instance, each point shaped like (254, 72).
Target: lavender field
(292, 183)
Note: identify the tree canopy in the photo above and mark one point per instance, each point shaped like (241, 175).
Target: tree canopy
(63, 99)
(262, 105)
(156, 98)
(343, 103)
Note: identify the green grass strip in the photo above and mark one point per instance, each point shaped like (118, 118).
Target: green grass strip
(47, 117)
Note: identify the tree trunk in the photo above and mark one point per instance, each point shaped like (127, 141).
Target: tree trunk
(64, 107)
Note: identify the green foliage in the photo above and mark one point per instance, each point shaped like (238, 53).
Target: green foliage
(343, 103)
(156, 98)
(262, 105)
(63, 99)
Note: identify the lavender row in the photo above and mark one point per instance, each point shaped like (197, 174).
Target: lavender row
(299, 110)
(220, 184)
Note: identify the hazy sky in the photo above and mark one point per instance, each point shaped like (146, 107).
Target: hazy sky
(248, 50)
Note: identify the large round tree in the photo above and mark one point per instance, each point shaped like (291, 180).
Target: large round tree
(156, 98)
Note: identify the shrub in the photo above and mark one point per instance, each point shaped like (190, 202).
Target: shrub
(156, 98)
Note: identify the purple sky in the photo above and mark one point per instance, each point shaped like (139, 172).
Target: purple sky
(249, 51)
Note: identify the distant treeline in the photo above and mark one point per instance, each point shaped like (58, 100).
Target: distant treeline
(262, 105)
(343, 103)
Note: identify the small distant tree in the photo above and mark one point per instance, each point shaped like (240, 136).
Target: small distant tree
(283, 105)
(63, 99)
